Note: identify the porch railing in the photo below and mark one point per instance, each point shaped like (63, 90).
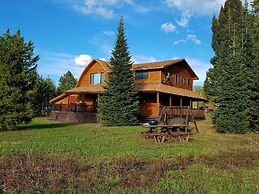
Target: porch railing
(73, 107)
(182, 111)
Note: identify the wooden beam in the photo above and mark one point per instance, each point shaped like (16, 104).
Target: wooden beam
(68, 102)
(181, 105)
(191, 103)
(158, 103)
(98, 101)
(170, 101)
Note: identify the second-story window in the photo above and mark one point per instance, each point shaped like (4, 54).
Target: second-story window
(96, 78)
(188, 82)
(183, 81)
(141, 75)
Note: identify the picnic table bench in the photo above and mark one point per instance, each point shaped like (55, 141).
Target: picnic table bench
(175, 128)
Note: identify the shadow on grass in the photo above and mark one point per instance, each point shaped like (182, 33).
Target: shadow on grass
(49, 126)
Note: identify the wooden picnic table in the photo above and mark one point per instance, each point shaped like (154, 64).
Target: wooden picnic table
(167, 127)
(162, 133)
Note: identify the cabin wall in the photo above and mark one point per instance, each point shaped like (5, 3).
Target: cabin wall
(73, 99)
(181, 73)
(154, 76)
(94, 68)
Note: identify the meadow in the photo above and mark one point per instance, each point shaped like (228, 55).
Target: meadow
(90, 158)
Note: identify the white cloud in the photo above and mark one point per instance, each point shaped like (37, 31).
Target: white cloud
(103, 59)
(137, 59)
(194, 39)
(97, 7)
(190, 37)
(109, 33)
(82, 60)
(179, 41)
(197, 7)
(168, 27)
(184, 20)
(56, 64)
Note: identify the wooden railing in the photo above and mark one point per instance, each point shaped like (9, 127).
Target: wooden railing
(73, 107)
(178, 111)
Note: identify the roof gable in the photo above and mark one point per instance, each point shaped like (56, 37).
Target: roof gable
(104, 64)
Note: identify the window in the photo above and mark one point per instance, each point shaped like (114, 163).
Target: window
(141, 75)
(96, 78)
(183, 81)
(178, 79)
(189, 82)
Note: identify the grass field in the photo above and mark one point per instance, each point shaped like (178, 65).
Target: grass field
(91, 158)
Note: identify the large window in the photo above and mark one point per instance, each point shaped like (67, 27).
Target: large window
(141, 75)
(96, 78)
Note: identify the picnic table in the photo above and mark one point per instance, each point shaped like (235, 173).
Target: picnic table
(176, 128)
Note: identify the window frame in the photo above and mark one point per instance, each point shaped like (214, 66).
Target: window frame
(141, 75)
(101, 81)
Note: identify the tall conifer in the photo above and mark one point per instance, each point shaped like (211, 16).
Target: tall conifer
(17, 78)
(119, 103)
(228, 82)
(255, 75)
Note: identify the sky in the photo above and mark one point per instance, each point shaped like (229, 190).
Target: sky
(67, 34)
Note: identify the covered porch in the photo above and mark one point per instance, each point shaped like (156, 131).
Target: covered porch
(151, 104)
(153, 97)
(77, 105)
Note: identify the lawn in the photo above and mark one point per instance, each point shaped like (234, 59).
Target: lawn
(96, 159)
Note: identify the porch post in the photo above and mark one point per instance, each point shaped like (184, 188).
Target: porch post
(181, 105)
(98, 101)
(191, 103)
(68, 102)
(83, 98)
(158, 103)
(170, 101)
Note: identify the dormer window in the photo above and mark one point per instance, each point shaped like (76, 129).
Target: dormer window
(96, 78)
(141, 75)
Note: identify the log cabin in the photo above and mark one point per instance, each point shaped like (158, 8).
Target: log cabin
(159, 84)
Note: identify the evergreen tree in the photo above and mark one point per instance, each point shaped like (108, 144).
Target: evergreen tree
(119, 103)
(43, 92)
(17, 78)
(255, 75)
(228, 82)
(66, 82)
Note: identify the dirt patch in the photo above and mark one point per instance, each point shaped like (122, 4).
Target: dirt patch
(231, 160)
(42, 173)
(45, 173)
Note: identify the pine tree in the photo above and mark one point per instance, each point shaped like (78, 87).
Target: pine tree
(254, 124)
(43, 92)
(66, 82)
(227, 83)
(17, 78)
(119, 103)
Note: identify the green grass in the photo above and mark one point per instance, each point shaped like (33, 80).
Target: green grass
(94, 144)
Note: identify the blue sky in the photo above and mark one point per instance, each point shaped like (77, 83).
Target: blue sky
(68, 33)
